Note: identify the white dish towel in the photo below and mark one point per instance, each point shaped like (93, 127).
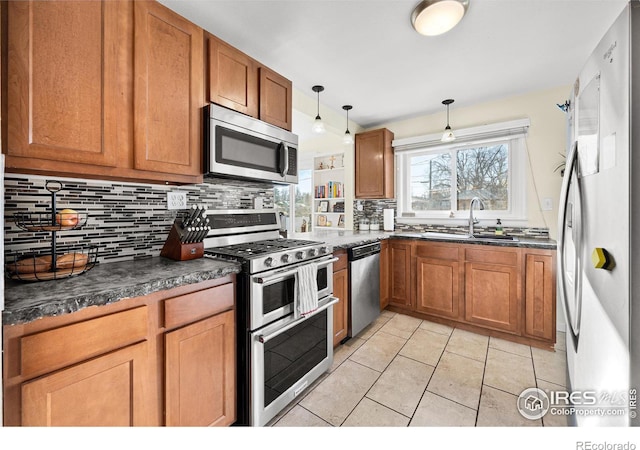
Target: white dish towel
(307, 290)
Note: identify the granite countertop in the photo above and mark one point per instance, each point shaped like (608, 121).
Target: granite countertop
(347, 239)
(340, 239)
(106, 283)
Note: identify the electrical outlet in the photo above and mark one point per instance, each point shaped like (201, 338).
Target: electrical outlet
(176, 200)
(547, 204)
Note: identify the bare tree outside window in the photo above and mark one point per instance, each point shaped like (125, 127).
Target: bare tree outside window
(480, 172)
(483, 172)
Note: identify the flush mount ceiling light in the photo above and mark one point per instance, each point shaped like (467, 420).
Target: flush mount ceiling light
(448, 135)
(434, 17)
(318, 126)
(347, 139)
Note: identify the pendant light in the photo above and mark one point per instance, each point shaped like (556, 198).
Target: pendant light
(434, 17)
(347, 139)
(448, 135)
(318, 126)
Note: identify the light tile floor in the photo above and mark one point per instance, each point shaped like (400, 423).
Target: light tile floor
(402, 371)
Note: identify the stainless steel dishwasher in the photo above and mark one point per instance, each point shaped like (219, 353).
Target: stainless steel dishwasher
(364, 286)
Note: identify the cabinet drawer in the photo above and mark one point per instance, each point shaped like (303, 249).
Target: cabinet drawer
(53, 349)
(341, 263)
(506, 257)
(198, 305)
(438, 251)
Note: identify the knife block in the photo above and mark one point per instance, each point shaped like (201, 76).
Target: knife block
(176, 250)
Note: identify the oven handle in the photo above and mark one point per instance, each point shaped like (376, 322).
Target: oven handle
(284, 273)
(264, 339)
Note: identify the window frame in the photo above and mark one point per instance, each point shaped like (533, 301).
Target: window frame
(485, 136)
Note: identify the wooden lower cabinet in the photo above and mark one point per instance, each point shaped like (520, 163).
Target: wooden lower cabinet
(105, 391)
(507, 292)
(200, 380)
(384, 274)
(438, 290)
(128, 363)
(540, 294)
(341, 291)
(492, 287)
(400, 269)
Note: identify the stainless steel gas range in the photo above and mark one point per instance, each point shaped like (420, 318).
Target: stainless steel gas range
(280, 352)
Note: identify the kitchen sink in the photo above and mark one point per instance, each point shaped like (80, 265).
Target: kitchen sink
(438, 235)
(495, 237)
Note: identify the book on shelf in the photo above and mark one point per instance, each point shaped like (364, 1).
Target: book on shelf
(332, 189)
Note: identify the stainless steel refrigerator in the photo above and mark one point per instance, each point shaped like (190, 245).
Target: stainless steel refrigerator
(598, 232)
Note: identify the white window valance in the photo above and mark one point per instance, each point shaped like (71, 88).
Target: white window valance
(511, 129)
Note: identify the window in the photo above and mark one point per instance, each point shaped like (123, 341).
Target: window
(438, 181)
(296, 217)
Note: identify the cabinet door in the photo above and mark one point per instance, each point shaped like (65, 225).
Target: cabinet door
(400, 274)
(168, 91)
(341, 309)
(64, 83)
(438, 287)
(200, 368)
(492, 296)
(275, 98)
(233, 78)
(540, 296)
(384, 274)
(106, 391)
(374, 164)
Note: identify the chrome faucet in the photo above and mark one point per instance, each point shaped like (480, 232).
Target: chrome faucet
(473, 220)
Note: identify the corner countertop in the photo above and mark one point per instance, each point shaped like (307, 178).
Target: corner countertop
(104, 284)
(347, 239)
(343, 239)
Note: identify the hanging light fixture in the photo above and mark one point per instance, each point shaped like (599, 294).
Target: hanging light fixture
(448, 135)
(434, 17)
(318, 126)
(347, 139)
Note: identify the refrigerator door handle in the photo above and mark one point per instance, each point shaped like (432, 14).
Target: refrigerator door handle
(574, 222)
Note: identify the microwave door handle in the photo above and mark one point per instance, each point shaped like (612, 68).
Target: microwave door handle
(284, 159)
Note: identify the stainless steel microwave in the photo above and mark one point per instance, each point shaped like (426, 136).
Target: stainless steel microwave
(239, 146)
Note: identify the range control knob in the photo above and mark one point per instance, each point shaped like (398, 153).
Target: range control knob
(324, 250)
(268, 262)
(285, 258)
(313, 252)
(300, 255)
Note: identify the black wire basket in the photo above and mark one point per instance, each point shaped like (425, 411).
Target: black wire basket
(67, 262)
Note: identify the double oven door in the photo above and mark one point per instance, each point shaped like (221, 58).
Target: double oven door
(285, 353)
(273, 294)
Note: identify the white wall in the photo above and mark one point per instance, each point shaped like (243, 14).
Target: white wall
(305, 108)
(546, 140)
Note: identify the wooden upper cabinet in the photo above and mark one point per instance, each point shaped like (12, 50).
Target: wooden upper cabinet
(238, 82)
(233, 77)
(169, 91)
(64, 90)
(374, 164)
(275, 98)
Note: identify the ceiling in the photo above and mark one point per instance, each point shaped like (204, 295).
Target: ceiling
(366, 53)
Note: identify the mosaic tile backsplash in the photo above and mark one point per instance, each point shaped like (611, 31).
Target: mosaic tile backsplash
(125, 221)
(372, 210)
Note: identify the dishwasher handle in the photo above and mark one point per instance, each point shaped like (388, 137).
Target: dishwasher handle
(362, 251)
